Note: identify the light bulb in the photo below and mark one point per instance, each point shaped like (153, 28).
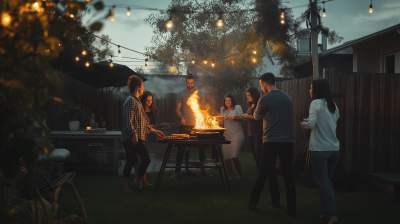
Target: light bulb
(192, 61)
(72, 16)
(84, 52)
(146, 61)
(111, 64)
(170, 24)
(371, 10)
(128, 12)
(324, 14)
(254, 52)
(254, 60)
(47, 50)
(6, 19)
(233, 62)
(212, 64)
(77, 58)
(87, 64)
(283, 15)
(145, 66)
(220, 23)
(119, 53)
(59, 44)
(112, 18)
(205, 61)
(283, 21)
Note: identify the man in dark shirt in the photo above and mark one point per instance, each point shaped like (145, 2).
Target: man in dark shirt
(188, 122)
(275, 108)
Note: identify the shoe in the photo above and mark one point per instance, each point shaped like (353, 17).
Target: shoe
(252, 207)
(188, 173)
(176, 176)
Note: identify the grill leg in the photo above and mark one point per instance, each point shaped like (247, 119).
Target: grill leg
(223, 165)
(214, 149)
(163, 165)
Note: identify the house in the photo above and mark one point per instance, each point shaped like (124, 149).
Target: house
(378, 52)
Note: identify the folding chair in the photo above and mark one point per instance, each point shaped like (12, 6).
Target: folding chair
(42, 183)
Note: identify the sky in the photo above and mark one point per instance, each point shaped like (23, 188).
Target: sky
(350, 18)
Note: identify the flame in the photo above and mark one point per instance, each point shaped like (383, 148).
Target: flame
(203, 119)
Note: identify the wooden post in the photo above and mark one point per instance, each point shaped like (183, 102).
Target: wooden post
(314, 40)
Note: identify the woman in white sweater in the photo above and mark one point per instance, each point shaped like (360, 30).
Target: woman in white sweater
(324, 145)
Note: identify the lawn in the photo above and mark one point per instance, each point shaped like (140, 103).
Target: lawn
(204, 200)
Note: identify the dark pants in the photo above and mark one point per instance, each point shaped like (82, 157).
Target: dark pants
(270, 151)
(185, 129)
(256, 146)
(131, 151)
(324, 164)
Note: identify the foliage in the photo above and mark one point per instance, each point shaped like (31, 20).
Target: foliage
(75, 111)
(102, 48)
(31, 34)
(139, 70)
(195, 35)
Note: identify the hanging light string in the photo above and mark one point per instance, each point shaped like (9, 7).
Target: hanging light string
(323, 11)
(371, 10)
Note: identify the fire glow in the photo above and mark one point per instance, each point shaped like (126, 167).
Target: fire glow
(203, 119)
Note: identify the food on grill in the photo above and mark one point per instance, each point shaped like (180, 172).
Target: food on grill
(177, 136)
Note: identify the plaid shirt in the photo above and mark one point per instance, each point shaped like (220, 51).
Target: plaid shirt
(134, 119)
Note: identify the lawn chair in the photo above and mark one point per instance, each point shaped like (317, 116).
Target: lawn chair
(42, 183)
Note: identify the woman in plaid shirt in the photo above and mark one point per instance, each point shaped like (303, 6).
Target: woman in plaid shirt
(134, 133)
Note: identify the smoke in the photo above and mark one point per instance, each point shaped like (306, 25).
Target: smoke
(164, 84)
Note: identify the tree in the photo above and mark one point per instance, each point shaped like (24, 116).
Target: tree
(139, 70)
(102, 49)
(196, 35)
(31, 34)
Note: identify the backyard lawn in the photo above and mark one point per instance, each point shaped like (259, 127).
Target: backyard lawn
(204, 200)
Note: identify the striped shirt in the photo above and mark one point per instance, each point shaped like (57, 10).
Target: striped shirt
(134, 118)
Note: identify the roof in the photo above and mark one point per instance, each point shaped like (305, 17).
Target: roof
(352, 43)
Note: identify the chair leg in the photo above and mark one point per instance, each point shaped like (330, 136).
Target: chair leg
(79, 200)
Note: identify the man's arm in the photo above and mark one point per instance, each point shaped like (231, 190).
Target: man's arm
(260, 110)
(178, 112)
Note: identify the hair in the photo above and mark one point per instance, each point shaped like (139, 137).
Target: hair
(144, 99)
(255, 95)
(190, 76)
(268, 78)
(232, 99)
(321, 90)
(133, 82)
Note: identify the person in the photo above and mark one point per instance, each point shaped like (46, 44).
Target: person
(188, 122)
(151, 115)
(134, 133)
(233, 132)
(324, 145)
(275, 108)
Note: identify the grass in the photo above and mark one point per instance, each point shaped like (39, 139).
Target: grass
(204, 200)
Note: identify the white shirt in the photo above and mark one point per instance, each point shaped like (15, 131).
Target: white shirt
(323, 125)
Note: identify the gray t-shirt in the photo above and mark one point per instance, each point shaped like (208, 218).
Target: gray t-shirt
(186, 111)
(275, 108)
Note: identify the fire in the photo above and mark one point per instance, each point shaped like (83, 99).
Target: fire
(203, 119)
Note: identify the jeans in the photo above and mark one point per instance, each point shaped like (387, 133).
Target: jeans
(324, 164)
(269, 153)
(131, 151)
(256, 146)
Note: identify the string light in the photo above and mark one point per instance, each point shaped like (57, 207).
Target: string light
(119, 52)
(47, 50)
(59, 45)
(212, 64)
(371, 10)
(205, 61)
(112, 18)
(323, 11)
(283, 18)
(128, 12)
(146, 61)
(254, 52)
(83, 52)
(6, 20)
(72, 16)
(254, 60)
(111, 63)
(220, 23)
(170, 24)
(87, 64)
(77, 58)
(193, 61)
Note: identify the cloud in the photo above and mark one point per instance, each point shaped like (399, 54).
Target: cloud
(133, 24)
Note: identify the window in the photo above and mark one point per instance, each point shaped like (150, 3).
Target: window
(389, 64)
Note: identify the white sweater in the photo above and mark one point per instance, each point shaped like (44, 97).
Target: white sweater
(323, 125)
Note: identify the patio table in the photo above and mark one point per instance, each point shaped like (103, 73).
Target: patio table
(115, 135)
(215, 144)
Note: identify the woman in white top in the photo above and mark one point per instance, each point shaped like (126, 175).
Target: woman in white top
(234, 133)
(324, 145)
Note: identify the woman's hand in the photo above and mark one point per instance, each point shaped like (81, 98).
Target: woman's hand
(303, 126)
(160, 134)
(244, 116)
(226, 117)
(231, 118)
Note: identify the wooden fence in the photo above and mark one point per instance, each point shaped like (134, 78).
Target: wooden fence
(368, 128)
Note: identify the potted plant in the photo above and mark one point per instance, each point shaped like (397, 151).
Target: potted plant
(76, 112)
